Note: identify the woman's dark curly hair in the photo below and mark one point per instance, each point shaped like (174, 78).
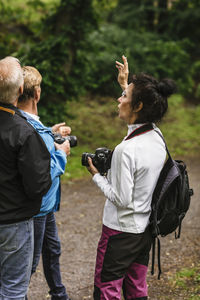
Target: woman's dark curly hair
(153, 94)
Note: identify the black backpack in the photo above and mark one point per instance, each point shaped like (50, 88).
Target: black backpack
(170, 202)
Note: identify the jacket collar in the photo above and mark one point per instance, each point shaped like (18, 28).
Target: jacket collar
(132, 127)
(10, 108)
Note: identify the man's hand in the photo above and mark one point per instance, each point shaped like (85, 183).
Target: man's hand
(62, 129)
(123, 73)
(92, 169)
(64, 146)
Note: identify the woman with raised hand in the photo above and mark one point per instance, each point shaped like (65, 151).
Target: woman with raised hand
(125, 243)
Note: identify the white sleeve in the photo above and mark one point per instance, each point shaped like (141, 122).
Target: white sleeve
(121, 190)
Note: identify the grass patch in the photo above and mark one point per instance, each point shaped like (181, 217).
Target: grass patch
(188, 280)
(74, 169)
(96, 124)
(181, 127)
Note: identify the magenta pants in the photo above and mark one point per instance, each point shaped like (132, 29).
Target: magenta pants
(121, 264)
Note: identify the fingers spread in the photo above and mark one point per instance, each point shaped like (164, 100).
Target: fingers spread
(125, 63)
(119, 64)
(119, 68)
(124, 59)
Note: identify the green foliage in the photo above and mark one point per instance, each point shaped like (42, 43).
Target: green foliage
(105, 45)
(183, 23)
(96, 124)
(57, 54)
(74, 169)
(183, 129)
(183, 275)
(170, 25)
(11, 28)
(135, 15)
(146, 52)
(92, 120)
(63, 39)
(194, 92)
(184, 20)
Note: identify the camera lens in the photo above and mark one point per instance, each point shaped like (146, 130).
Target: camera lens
(84, 159)
(72, 140)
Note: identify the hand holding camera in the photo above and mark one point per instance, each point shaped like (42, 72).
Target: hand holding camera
(64, 147)
(101, 160)
(59, 139)
(92, 169)
(64, 143)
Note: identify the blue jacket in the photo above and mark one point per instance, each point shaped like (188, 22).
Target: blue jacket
(51, 201)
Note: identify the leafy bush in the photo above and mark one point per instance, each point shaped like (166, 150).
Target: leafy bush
(75, 57)
(145, 52)
(55, 52)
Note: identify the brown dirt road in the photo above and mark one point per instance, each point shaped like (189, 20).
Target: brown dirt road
(79, 224)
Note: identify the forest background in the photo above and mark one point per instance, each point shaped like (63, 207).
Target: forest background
(75, 43)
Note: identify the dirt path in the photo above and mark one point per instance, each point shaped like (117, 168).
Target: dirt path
(79, 223)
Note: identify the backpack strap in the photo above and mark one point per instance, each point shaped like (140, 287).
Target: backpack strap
(140, 130)
(153, 255)
(164, 143)
(159, 262)
(156, 237)
(177, 235)
(158, 256)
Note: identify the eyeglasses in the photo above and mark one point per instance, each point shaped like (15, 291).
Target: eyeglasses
(123, 93)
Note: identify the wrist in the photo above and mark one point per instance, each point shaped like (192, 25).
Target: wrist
(124, 86)
(95, 175)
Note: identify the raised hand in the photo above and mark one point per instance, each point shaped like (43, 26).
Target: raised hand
(123, 72)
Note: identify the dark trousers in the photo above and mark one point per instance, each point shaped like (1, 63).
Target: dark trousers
(121, 263)
(47, 243)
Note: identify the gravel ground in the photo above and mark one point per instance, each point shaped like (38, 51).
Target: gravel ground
(79, 225)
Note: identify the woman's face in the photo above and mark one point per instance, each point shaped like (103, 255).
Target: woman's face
(126, 112)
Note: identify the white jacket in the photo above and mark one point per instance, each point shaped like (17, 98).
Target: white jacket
(135, 167)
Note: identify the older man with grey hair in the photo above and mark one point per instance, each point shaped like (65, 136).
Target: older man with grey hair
(24, 180)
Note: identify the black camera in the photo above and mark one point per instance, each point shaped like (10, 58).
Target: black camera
(59, 139)
(101, 159)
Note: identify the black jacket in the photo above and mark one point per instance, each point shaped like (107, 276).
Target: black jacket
(24, 167)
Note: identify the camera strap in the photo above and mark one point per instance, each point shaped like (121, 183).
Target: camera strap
(140, 130)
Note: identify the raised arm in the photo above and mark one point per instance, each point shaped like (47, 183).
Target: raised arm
(123, 72)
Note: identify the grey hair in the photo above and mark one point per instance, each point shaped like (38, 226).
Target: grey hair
(11, 78)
